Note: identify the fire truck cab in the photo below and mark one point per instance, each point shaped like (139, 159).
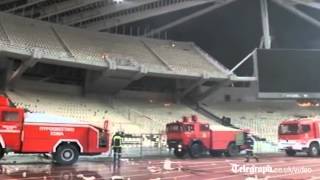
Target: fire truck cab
(64, 138)
(194, 137)
(300, 135)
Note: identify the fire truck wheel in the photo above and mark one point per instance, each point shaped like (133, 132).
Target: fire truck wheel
(290, 152)
(215, 153)
(195, 150)
(66, 154)
(179, 154)
(232, 150)
(313, 150)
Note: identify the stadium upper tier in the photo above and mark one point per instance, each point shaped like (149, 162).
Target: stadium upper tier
(262, 118)
(76, 47)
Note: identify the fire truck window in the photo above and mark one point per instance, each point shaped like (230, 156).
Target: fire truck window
(10, 116)
(188, 128)
(173, 128)
(305, 128)
(204, 127)
(288, 129)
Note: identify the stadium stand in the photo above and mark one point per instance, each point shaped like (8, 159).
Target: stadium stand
(262, 118)
(30, 35)
(67, 46)
(129, 115)
(163, 111)
(58, 43)
(85, 109)
(92, 46)
(182, 57)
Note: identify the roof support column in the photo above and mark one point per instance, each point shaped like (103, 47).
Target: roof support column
(265, 24)
(25, 66)
(289, 5)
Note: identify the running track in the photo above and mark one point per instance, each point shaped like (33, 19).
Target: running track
(206, 168)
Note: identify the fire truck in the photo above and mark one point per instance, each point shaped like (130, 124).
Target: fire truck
(64, 138)
(300, 135)
(194, 137)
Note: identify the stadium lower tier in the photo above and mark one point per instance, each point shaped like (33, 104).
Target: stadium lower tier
(133, 116)
(262, 118)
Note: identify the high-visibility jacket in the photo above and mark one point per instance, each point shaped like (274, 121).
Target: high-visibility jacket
(117, 141)
(249, 143)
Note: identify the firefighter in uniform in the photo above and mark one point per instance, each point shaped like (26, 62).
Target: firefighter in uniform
(249, 144)
(117, 140)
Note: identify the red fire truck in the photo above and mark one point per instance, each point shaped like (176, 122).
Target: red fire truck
(194, 137)
(64, 138)
(300, 135)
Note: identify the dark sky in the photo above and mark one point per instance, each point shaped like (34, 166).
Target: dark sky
(228, 34)
(291, 31)
(231, 32)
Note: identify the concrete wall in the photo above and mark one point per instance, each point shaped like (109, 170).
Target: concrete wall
(236, 94)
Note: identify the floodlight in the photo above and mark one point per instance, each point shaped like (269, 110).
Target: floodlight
(118, 1)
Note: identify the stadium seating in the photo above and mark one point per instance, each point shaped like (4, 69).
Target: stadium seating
(131, 115)
(150, 116)
(85, 109)
(62, 43)
(262, 118)
(182, 57)
(31, 34)
(162, 112)
(92, 47)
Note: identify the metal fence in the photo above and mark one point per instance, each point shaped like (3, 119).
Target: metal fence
(145, 145)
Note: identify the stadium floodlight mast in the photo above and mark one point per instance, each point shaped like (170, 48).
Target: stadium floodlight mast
(118, 1)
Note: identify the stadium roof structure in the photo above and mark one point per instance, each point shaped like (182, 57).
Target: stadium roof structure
(126, 16)
(124, 57)
(115, 56)
(100, 15)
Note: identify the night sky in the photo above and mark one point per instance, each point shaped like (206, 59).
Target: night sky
(231, 32)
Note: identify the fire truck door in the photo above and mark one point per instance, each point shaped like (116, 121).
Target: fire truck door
(10, 127)
(205, 135)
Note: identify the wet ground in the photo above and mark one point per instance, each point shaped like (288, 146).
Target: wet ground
(161, 168)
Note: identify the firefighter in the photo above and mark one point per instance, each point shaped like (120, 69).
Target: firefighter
(249, 144)
(117, 140)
